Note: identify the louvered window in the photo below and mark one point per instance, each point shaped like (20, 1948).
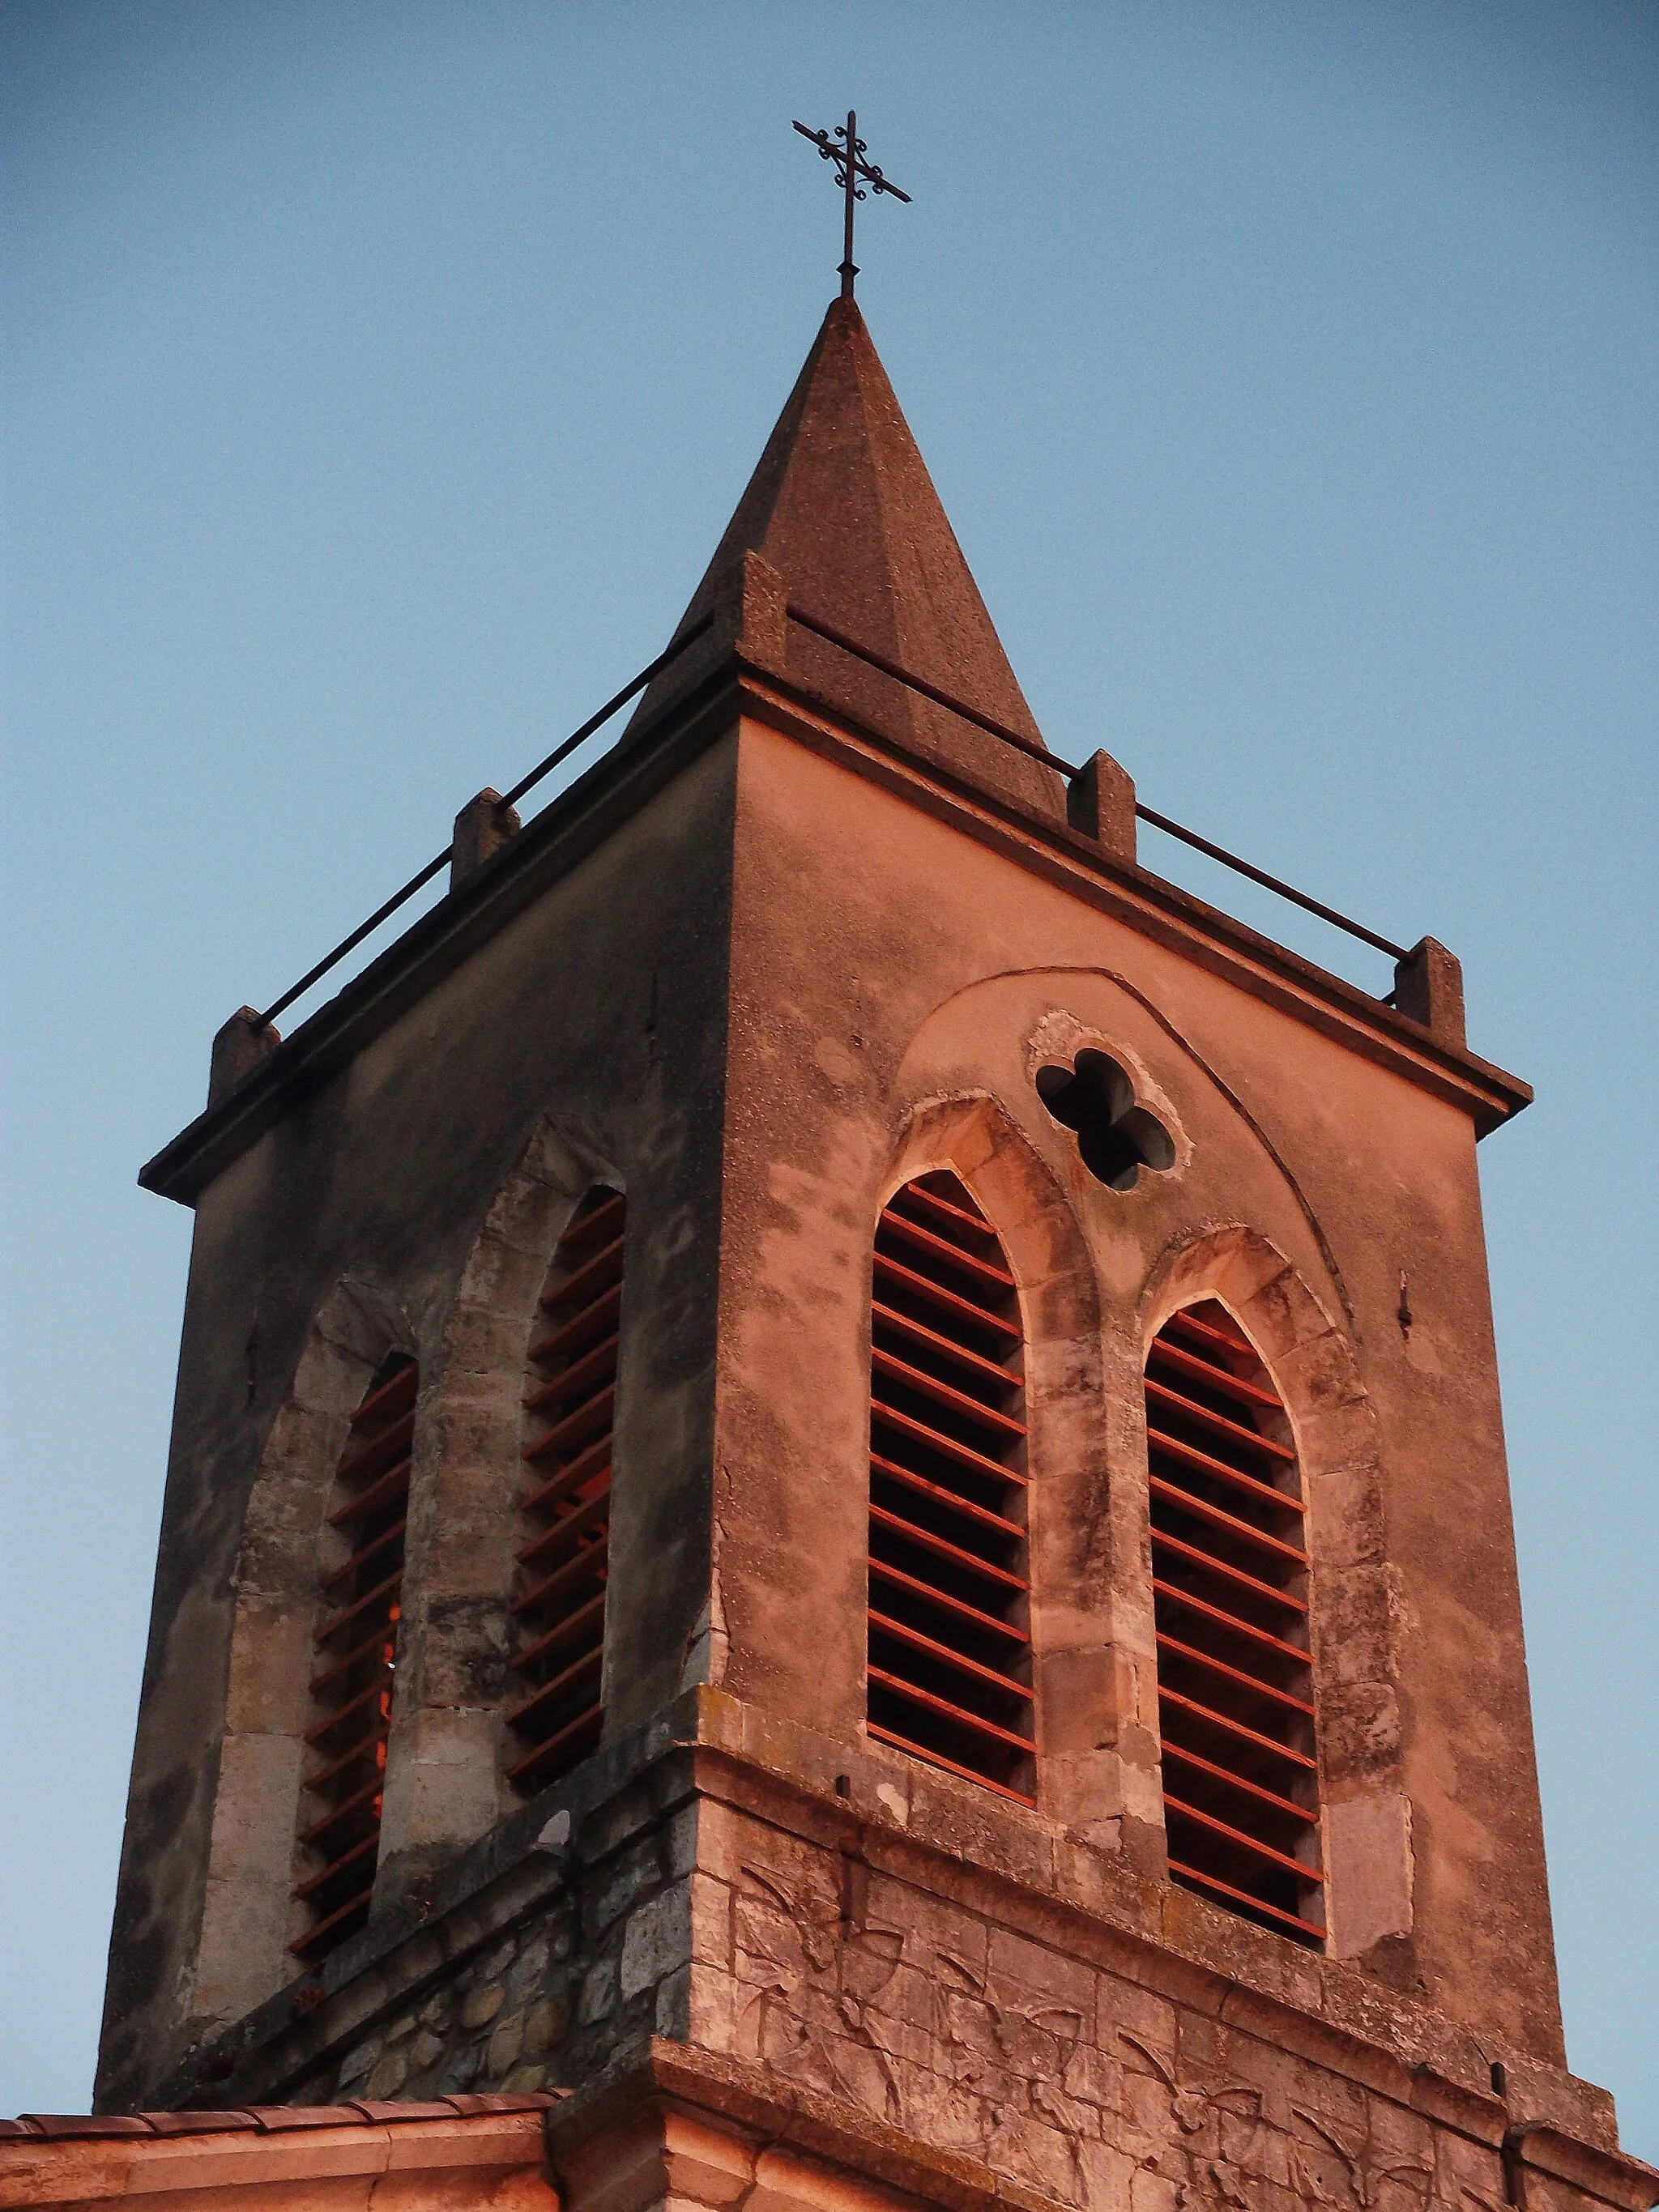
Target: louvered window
(950, 1657)
(565, 1518)
(1230, 1566)
(352, 1675)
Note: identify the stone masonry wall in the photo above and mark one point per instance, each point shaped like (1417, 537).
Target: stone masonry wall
(493, 2028)
(563, 1939)
(549, 2001)
(1094, 2078)
(934, 1968)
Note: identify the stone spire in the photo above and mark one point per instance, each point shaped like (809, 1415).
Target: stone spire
(842, 507)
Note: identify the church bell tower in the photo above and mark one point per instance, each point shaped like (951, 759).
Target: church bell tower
(837, 1494)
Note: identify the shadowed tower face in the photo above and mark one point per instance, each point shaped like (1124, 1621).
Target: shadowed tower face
(923, 1594)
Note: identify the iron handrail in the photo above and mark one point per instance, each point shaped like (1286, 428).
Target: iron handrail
(1032, 747)
(1039, 752)
(509, 799)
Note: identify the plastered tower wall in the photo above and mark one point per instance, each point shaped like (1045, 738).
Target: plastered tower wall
(896, 982)
(787, 947)
(410, 1201)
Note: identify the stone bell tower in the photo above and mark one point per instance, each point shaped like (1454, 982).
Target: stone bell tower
(838, 1489)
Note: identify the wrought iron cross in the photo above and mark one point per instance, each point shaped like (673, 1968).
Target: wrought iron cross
(852, 171)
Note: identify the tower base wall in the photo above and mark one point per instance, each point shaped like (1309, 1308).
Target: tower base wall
(841, 1951)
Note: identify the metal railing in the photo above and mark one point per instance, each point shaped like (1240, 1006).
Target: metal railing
(884, 667)
(509, 799)
(1064, 768)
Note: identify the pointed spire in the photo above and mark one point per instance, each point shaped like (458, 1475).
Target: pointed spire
(842, 506)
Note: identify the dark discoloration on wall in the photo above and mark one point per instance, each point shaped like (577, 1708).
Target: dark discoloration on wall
(387, 1174)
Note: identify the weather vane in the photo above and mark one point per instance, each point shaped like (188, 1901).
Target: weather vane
(852, 171)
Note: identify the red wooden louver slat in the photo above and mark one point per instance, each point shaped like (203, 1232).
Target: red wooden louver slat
(558, 1604)
(949, 1668)
(338, 1836)
(1235, 1688)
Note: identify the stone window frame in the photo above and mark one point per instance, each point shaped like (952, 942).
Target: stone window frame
(248, 1913)
(449, 1751)
(1077, 1677)
(1365, 1812)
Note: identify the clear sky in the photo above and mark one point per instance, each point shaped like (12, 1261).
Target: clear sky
(378, 378)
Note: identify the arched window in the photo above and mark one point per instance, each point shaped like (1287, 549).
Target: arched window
(1235, 1679)
(355, 1660)
(558, 1607)
(949, 1652)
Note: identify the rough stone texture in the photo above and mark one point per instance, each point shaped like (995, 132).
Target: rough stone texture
(244, 1043)
(683, 2129)
(481, 828)
(1101, 802)
(892, 979)
(879, 982)
(943, 1967)
(1428, 985)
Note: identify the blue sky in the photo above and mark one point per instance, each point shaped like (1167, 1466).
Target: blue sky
(377, 381)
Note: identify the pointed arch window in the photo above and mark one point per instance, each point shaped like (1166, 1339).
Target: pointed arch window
(558, 1604)
(1237, 1714)
(353, 1667)
(949, 1652)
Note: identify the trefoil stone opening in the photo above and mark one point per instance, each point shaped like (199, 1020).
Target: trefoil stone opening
(949, 1651)
(1236, 1717)
(558, 1604)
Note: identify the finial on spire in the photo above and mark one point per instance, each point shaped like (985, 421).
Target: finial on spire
(851, 170)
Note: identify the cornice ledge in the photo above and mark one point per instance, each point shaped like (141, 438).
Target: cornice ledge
(772, 2112)
(1542, 2148)
(1328, 2012)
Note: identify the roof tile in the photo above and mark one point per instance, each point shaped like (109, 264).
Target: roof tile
(274, 2118)
(87, 2123)
(270, 2119)
(198, 2124)
(408, 2109)
(526, 2101)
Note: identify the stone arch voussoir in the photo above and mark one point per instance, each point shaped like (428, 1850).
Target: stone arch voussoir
(444, 1786)
(1315, 1366)
(1067, 1448)
(242, 1957)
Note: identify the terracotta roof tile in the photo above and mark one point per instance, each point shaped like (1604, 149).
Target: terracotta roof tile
(371, 2110)
(274, 2119)
(198, 2124)
(526, 2101)
(87, 2124)
(270, 2119)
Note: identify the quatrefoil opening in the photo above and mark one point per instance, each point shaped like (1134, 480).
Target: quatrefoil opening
(1095, 1098)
